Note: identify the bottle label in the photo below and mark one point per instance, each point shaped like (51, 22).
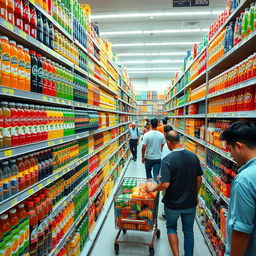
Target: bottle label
(33, 234)
(40, 72)
(34, 70)
(5, 63)
(41, 228)
(26, 229)
(14, 66)
(247, 97)
(21, 70)
(14, 182)
(15, 240)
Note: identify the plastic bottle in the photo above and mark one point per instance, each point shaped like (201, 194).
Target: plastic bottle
(5, 229)
(51, 35)
(34, 163)
(7, 139)
(21, 125)
(14, 124)
(27, 115)
(14, 64)
(11, 10)
(26, 17)
(21, 173)
(28, 181)
(33, 227)
(3, 9)
(27, 69)
(54, 79)
(34, 71)
(46, 39)
(18, 14)
(15, 230)
(1, 184)
(1, 128)
(21, 67)
(32, 169)
(250, 26)
(5, 61)
(39, 73)
(237, 31)
(245, 23)
(6, 179)
(45, 75)
(39, 26)
(50, 82)
(14, 177)
(33, 22)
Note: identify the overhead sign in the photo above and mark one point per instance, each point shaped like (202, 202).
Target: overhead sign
(190, 3)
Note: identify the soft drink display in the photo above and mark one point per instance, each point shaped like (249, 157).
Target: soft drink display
(81, 200)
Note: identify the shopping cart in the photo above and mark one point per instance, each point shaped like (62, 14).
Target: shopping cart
(135, 213)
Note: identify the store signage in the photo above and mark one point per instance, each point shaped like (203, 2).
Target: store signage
(190, 3)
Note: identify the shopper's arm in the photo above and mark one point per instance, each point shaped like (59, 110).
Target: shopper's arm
(138, 140)
(199, 182)
(239, 243)
(143, 153)
(161, 187)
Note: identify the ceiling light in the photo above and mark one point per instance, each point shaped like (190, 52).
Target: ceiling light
(152, 54)
(147, 72)
(157, 14)
(153, 44)
(162, 31)
(150, 61)
(145, 69)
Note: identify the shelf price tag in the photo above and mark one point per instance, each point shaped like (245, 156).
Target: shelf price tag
(56, 176)
(31, 191)
(40, 186)
(51, 143)
(64, 203)
(45, 98)
(8, 25)
(14, 202)
(8, 153)
(8, 91)
(23, 34)
(57, 100)
(60, 140)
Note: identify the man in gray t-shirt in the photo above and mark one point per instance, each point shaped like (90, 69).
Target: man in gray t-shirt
(152, 147)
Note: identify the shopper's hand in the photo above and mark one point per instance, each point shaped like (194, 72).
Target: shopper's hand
(158, 177)
(137, 142)
(143, 160)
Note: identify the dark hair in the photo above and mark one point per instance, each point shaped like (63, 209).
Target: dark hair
(165, 121)
(147, 124)
(173, 137)
(240, 131)
(154, 123)
(167, 128)
(167, 118)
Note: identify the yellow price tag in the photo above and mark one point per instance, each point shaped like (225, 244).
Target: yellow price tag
(64, 203)
(45, 98)
(57, 100)
(14, 201)
(23, 34)
(51, 143)
(56, 251)
(63, 101)
(8, 152)
(31, 191)
(63, 172)
(60, 140)
(43, 46)
(51, 99)
(68, 169)
(8, 25)
(32, 1)
(56, 176)
(48, 181)
(40, 186)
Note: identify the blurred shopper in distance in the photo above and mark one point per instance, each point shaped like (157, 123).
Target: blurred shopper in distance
(160, 126)
(181, 179)
(240, 140)
(166, 150)
(134, 140)
(152, 146)
(146, 128)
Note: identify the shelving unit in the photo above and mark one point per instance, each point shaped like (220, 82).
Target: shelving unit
(186, 123)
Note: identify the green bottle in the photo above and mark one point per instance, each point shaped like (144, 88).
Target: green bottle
(250, 26)
(245, 23)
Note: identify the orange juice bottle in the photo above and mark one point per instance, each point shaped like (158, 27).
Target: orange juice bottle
(27, 69)
(14, 65)
(21, 67)
(10, 15)
(40, 3)
(15, 230)
(5, 61)
(3, 9)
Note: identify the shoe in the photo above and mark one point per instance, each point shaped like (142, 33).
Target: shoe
(163, 216)
(135, 159)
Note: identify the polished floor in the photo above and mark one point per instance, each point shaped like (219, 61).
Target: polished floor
(104, 244)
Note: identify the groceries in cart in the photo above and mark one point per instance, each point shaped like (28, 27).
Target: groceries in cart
(135, 206)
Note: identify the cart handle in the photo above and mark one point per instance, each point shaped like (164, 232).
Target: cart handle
(133, 221)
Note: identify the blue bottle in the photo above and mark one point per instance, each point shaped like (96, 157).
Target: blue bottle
(46, 39)
(40, 35)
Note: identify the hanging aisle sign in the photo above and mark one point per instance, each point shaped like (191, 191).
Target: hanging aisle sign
(190, 3)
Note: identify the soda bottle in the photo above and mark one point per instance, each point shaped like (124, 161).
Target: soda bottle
(21, 67)
(50, 218)
(248, 98)
(54, 79)
(5, 229)
(50, 7)
(18, 14)
(45, 76)
(39, 73)
(245, 23)
(45, 5)
(46, 39)
(237, 31)
(14, 64)
(5, 61)
(34, 168)
(33, 22)
(38, 123)
(6, 179)
(27, 175)
(21, 124)
(3, 9)
(14, 124)
(51, 35)
(7, 139)
(33, 227)
(27, 123)
(11, 10)
(34, 71)
(26, 17)
(39, 27)
(14, 177)
(251, 14)
(27, 69)
(49, 66)
(33, 118)
(21, 174)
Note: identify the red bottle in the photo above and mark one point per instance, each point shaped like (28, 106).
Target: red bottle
(249, 99)
(11, 10)
(45, 76)
(240, 100)
(33, 118)
(44, 123)
(33, 22)
(18, 14)
(26, 17)
(53, 79)
(14, 124)
(21, 124)
(27, 123)
(49, 68)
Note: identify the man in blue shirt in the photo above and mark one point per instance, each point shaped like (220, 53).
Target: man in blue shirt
(134, 140)
(240, 139)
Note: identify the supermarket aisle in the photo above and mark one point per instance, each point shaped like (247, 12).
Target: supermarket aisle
(104, 245)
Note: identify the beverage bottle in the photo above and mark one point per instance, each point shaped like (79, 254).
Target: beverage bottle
(46, 39)
(27, 123)
(21, 67)
(11, 10)
(34, 72)
(1, 184)
(5, 61)
(248, 101)
(1, 128)
(54, 233)
(45, 75)
(33, 228)
(237, 31)
(14, 64)
(49, 71)
(27, 69)
(245, 23)
(21, 174)
(7, 139)
(24, 229)
(40, 27)
(54, 79)
(38, 123)
(33, 161)
(5, 229)
(41, 237)
(50, 7)
(40, 73)
(14, 124)
(26, 17)
(3, 9)
(50, 218)
(44, 123)
(15, 230)
(21, 124)
(250, 26)
(41, 166)
(33, 118)
(33, 22)
(45, 5)
(51, 35)
(27, 175)
(6, 179)
(14, 177)
(254, 23)
(18, 14)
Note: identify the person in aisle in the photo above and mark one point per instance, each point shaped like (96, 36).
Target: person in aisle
(134, 140)
(160, 127)
(181, 179)
(152, 147)
(166, 150)
(146, 128)
(240, 140)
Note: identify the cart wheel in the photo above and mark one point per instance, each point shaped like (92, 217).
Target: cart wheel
(158, 233)
(124, 231)
(117, 249)
(151, 252)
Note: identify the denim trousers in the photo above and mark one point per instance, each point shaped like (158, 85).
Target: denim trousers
(152, 164)
(187, 219)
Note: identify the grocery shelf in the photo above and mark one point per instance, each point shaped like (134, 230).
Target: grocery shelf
(233, 88)
(219, 151)
(120, 87)
(239, 114)
(210, 188)
(189, 116)
(238, 53)
(126, 102)
(187, 104)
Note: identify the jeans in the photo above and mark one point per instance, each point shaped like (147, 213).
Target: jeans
(155, 164)
(133, 147)
(187, 219)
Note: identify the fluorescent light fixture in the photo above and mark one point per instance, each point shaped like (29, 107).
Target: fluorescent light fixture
(152, 54)
(154, 69)
(154, 14)
(150, 72)
(153, 44)
(149, 62)
(162, 31)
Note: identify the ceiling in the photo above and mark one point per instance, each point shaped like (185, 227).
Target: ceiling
(153, 42)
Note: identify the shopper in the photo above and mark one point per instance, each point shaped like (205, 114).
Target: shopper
(146, 128)
(166, 150)
(240, 140)
(160, 127)
(181, 179)
(152, 146)
(134, 140)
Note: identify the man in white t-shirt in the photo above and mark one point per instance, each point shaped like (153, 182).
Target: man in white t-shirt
(166, 150)
(152, 146)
